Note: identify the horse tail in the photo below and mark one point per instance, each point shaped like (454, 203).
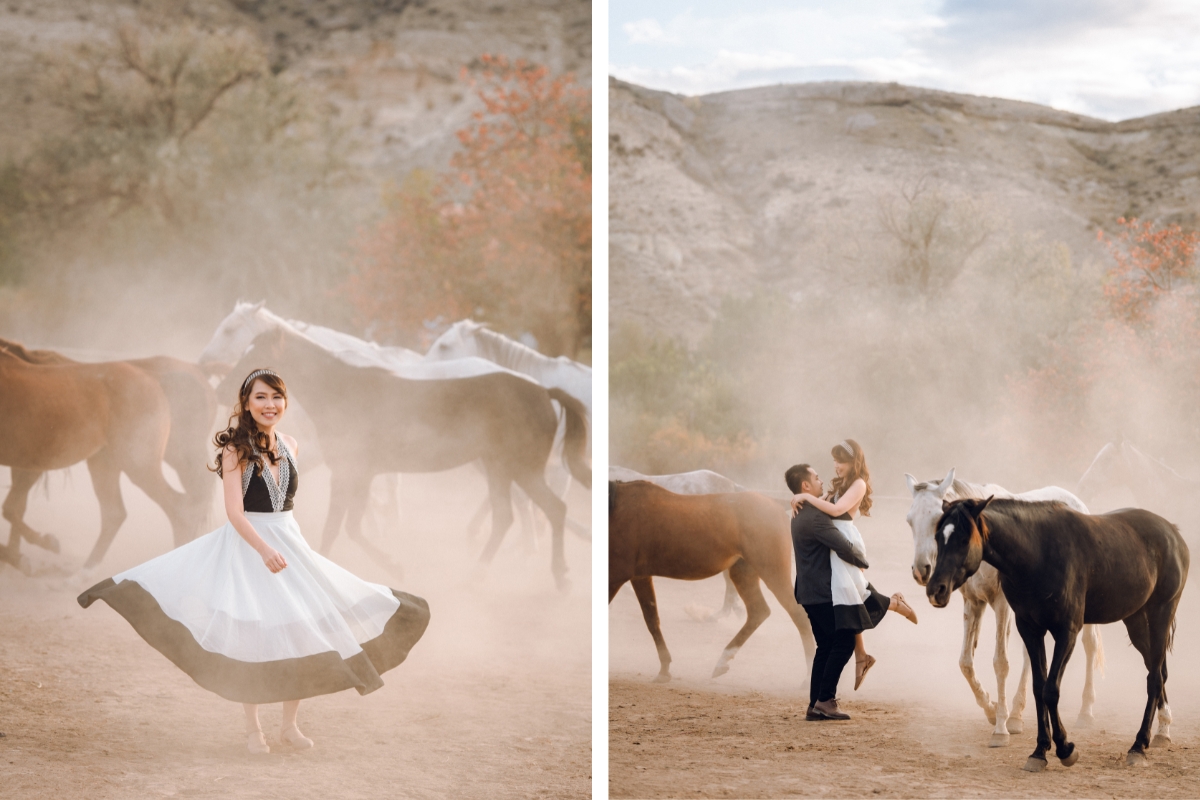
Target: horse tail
(575, 441)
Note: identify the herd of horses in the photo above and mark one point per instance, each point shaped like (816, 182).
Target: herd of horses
(374, 410)
(1039, 555)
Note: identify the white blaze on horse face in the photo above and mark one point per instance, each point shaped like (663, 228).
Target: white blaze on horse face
(923, 517)
(946, 531)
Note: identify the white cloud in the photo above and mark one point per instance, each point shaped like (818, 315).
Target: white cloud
(1129, 61)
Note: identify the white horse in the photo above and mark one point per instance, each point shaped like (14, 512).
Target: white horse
(1153, 484)
(469, 338)
(700, 481)
(983, 590)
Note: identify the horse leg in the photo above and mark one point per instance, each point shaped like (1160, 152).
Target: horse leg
(106, 481)
(148, 477)
(757, 610)
(1035, 645)
(477, 520)
(1162, 737)
(339, 488)
(731, 605)
(357, 507)
(779, 581)
(500, 493)
(1064, 645)
(644, 589)
(1152, 645)
(1015, 723)
(555, 510)
(972, 616)
(1093, 648)
(1000, 665)
(14, 511)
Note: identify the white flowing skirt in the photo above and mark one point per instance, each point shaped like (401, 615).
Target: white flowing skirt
(848, 583)
(214, 609)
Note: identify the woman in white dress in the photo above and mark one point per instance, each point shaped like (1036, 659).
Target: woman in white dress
(856, 604)
(250, 611)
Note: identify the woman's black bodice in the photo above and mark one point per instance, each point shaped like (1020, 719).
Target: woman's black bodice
(258, 497)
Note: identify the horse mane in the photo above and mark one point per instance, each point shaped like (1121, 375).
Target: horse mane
(511, 353)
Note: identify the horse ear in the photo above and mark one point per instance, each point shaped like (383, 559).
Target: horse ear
(978, 506)
(912, 484)
(945, 506)
(946, 483)
(259, 304)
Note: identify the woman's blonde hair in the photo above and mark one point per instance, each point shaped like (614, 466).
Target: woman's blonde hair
(849, 452)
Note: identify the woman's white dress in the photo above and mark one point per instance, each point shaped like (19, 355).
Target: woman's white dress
(215, 610)
(856, 603)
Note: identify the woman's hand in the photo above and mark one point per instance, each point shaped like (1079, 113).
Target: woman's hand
(800, 499)
(273, 559)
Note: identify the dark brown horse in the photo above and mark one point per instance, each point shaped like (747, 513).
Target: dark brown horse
(371, 421)
(193, 405)
(112, 415)
(1060, 570)
(652, 531)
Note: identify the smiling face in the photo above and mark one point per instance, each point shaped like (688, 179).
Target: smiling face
(266, 404)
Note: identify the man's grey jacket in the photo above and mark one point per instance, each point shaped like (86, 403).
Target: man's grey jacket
(813, 536)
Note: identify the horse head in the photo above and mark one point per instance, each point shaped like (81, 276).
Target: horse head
(922, 519)
(265, 350)
(237, 331)
(960, 535)
(458, 341)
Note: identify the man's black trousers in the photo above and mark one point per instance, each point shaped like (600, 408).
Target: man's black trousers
(834, 649)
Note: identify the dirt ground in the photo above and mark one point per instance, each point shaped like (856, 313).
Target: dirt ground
(915, 729)
(494, 701)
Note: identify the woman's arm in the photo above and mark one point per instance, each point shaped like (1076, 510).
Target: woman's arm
(231, 485)
(849, 500)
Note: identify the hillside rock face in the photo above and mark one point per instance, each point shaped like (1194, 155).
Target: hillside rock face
(776, 188)
(390, 67)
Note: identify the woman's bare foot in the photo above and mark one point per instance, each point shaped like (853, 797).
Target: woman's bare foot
(295, 738)
(903, 609)
(257, 744)
(861, 665)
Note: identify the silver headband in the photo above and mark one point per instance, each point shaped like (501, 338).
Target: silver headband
(258, 373)
(845, 445)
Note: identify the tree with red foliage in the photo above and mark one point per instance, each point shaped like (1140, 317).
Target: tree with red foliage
(1152, 261)
(505, 236)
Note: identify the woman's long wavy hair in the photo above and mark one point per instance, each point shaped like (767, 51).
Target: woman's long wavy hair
(243, 434)
(858, 469)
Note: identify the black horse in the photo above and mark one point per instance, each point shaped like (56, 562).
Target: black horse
(1060, 570)
(370, 421)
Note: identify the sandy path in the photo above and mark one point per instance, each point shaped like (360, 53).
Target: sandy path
(494, 701)
(916, 729)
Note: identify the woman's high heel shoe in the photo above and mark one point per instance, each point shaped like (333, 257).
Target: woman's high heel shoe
(295, 738)
(903, 608)
(860, 670)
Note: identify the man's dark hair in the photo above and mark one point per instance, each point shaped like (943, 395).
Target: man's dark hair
(797, 475)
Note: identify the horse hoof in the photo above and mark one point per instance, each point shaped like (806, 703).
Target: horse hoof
(564, 585)
(1015, 724)
(1034, 764)
(1134, 759)
(999, 740)
(1160, 740)
(1085, 721)
(990, 713)
(719, 670)
(1071, 759)
(662, 677)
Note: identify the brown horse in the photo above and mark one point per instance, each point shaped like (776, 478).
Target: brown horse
(652, 531)
(112, 415)
(193, 406)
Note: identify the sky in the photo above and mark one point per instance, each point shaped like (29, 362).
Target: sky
(1103, 58)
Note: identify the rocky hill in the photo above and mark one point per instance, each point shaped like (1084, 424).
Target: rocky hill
(391, 67)
(776, 187)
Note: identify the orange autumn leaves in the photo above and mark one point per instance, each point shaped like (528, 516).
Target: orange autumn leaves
(504, 236)
(1152, 261)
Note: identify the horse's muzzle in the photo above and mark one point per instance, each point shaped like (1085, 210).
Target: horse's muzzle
(921, 574)
(939, 594)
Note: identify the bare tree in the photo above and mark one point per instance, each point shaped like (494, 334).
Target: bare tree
(935, 234)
